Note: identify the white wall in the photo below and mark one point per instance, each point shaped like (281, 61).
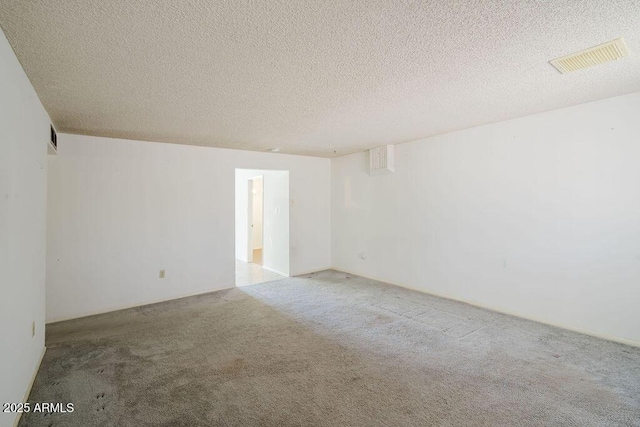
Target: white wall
(120, 210)
(275, 253)
(24, 134)
(538, 216)
(276, 217)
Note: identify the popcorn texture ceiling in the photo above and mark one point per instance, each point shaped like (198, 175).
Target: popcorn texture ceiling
(311, 77)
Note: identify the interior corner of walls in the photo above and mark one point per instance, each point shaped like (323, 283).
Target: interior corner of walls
(213, 172)
(26, 123)
(495, 177)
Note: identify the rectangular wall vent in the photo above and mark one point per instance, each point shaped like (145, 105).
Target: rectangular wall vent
(52, 148)
(606, 52)
(381, 160)
(54, 138)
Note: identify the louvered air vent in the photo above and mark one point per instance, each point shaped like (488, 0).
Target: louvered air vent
(54, 138)
(381, 160)
(52, 148)
(610, 51)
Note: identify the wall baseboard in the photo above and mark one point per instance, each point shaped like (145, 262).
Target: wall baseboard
(275, 271)
(33, 379)
(497, 310)
(64, 319)
(127, 307)
(313, 271)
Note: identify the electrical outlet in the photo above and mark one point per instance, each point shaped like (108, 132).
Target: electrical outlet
(33, 329)
(162, 274)
(362, 255)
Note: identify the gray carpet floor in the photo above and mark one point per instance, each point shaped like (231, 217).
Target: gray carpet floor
(330, 349)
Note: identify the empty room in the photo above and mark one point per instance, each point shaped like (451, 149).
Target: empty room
(347, 213)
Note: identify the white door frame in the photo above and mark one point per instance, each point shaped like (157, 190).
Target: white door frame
(250, 220)
(250, 228)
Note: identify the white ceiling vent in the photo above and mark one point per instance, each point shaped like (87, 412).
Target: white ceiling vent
(610, 51)
(381, 160)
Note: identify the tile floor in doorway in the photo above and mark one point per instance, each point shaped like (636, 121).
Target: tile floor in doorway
(250, 274)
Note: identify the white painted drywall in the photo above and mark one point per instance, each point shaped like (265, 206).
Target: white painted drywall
(538, 216)
(121, 210)
(276, 217)
(258, 210)
(24, 135)
(275, 253)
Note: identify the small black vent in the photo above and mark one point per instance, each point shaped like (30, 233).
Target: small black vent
(54, 138)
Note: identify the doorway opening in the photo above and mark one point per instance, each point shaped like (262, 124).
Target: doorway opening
(261, 225)
(256, 193)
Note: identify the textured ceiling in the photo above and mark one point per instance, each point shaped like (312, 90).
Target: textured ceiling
(310, 77)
